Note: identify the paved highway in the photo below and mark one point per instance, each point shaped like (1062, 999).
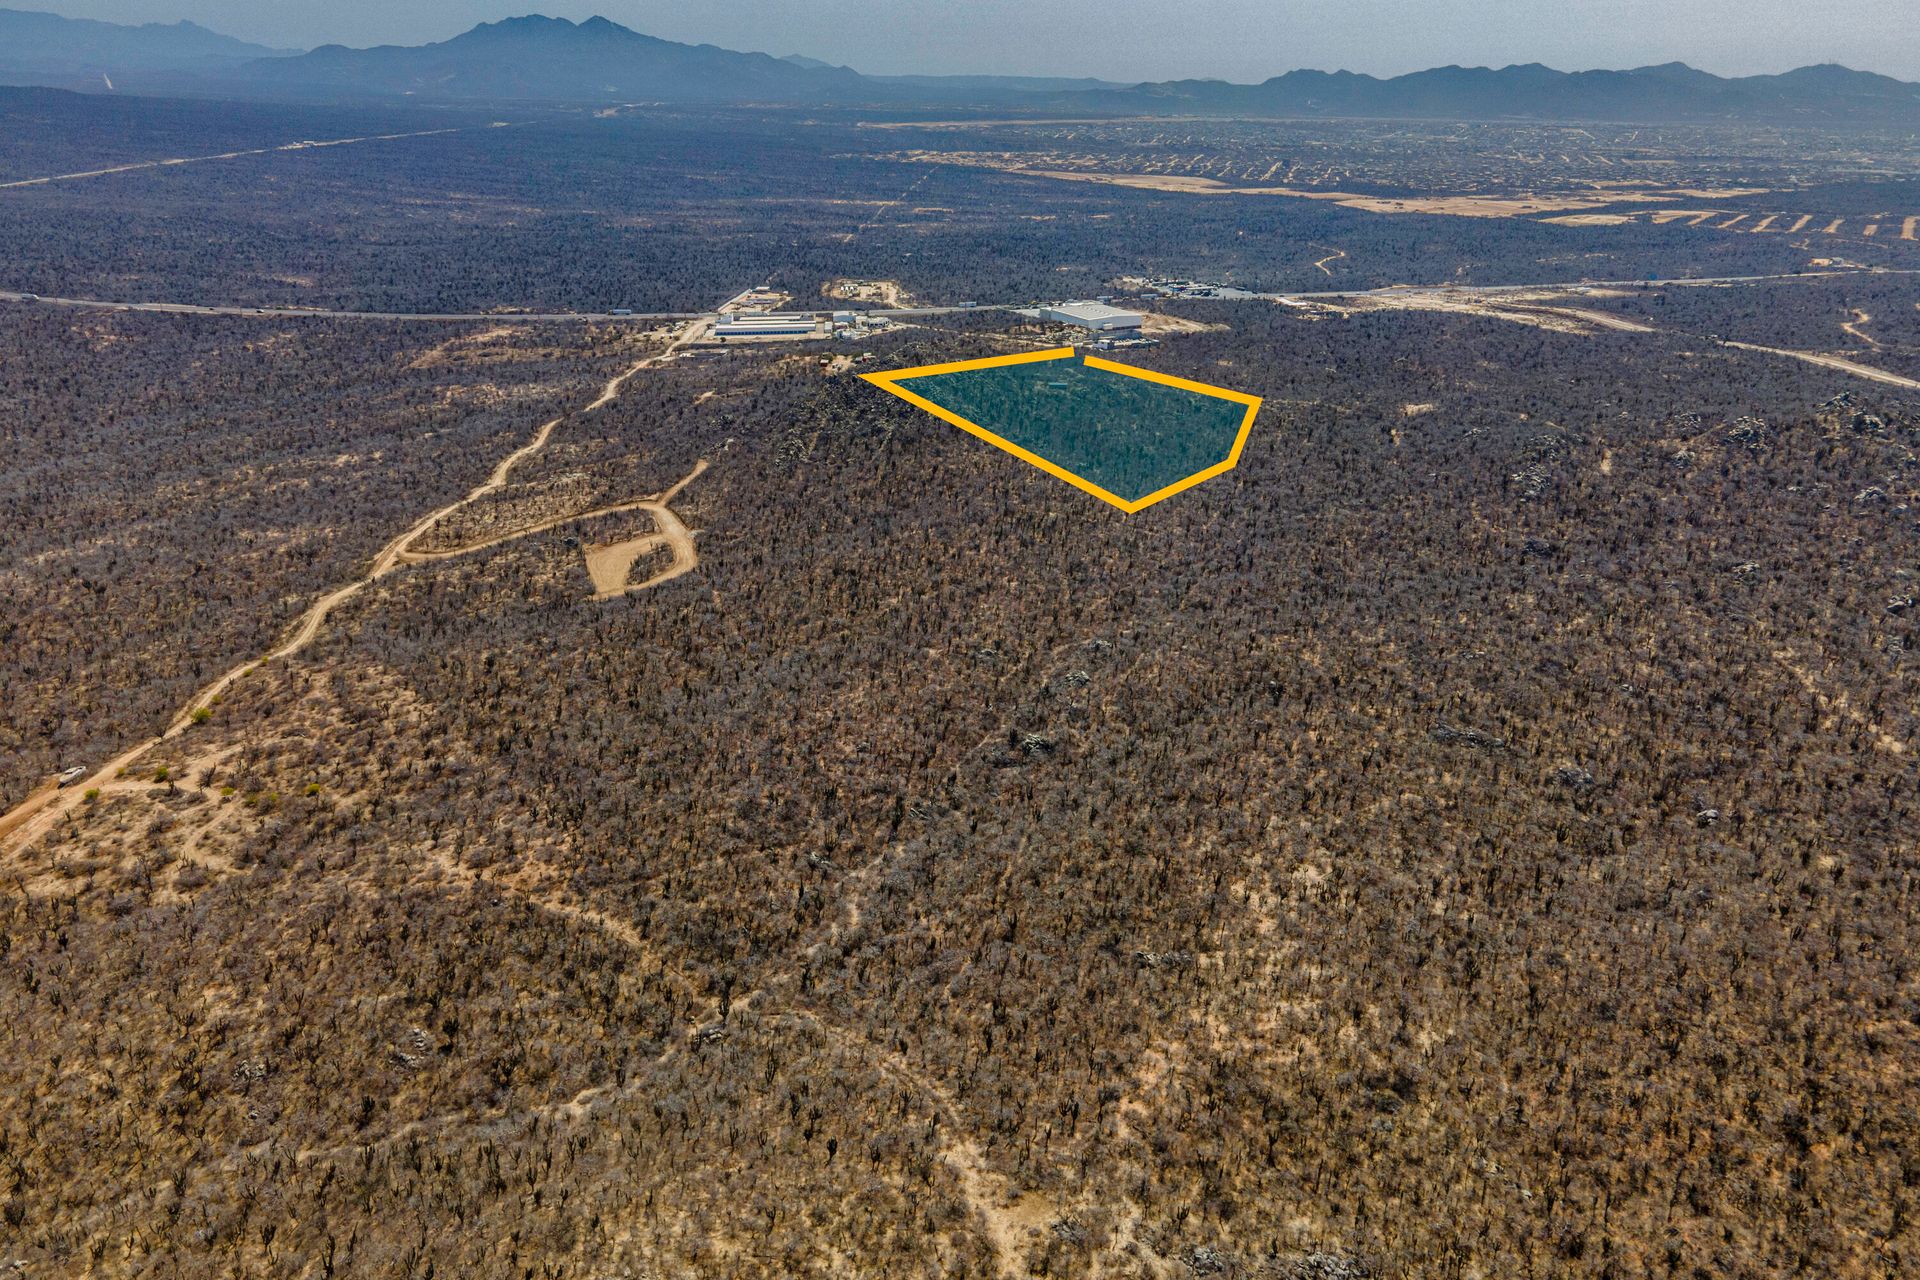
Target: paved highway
(896, 313)
(462, 317)
(321, 313)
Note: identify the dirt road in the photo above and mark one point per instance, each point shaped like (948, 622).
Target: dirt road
(1335, 256)
(36, 815)
(1834, 362)
(678, 537)
(323, 313)
(1854, 327)
(224, 155)
(672, 533)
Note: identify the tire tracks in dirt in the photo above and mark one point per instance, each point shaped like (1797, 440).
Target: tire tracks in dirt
(21, 826)
(1833, 362)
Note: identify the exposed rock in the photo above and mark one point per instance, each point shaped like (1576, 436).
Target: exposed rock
(1450, 734)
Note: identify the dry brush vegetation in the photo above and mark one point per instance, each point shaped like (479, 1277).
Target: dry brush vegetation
(1467, 844)
(178, 490)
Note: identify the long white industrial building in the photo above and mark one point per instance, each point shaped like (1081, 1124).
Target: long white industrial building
(1097, 316)
(764, 324)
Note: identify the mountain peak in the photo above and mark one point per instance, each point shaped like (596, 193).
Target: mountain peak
(536, 57)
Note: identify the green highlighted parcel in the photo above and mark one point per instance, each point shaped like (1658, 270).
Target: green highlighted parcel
(1128, 436)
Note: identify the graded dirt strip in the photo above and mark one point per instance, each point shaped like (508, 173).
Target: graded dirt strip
(1466, 206)
(224, 155)
(1834, 362)
(1486, 303)
(37, 815)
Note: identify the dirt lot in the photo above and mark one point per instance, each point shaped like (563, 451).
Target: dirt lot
(886, 293)
(1157, 323)
(1461, 206)
(610, 565)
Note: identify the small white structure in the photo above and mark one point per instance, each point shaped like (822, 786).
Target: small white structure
(1095, 316)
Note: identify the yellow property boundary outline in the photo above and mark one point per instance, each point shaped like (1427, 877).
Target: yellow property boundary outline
(891, 382)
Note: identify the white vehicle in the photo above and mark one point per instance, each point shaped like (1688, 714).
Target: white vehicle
(67, 777)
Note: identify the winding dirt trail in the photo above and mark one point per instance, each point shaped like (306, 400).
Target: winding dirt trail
(1854, 327)
(676, 535)
(40, 811)
(986, 1191)
(682, 542)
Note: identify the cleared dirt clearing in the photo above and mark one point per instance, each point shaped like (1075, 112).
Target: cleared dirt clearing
(1455, 206)
(887, 293)
(608, 565)
(31, 819)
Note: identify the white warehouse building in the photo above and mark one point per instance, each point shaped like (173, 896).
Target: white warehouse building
(1097, 316)
(764, 324)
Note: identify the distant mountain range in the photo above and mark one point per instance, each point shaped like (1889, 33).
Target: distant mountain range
(37, 48)
(1673, 92)
(555, 60)
(552, 59)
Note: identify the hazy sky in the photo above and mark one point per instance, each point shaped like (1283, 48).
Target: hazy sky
(1137, 39)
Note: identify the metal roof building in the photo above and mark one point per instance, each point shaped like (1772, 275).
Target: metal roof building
(765, 326)
(1096, 316)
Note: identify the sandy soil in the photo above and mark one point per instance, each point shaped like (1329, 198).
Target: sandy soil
(608, 564)
(1157, 322)
(1537, 311)
(1010, 1218)
(887, 293)
(1603, 319)
(442, 354)
(36, 800)
(1835, 362)
(1716, 193)
(1838, 705)
(1854, 326)
(32, 818)
(1456, 206)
